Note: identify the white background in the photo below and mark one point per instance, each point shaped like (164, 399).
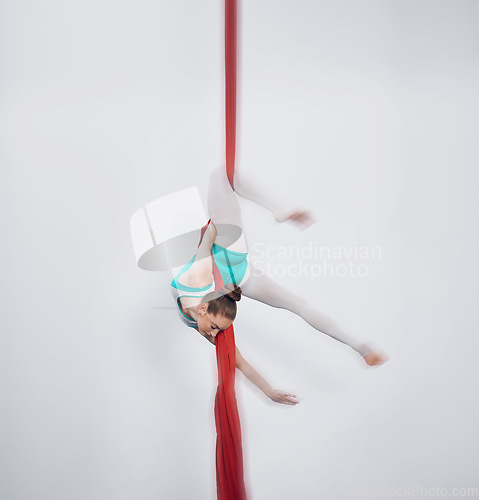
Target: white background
(364, 112)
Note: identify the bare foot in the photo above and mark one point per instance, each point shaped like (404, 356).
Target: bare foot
(374, 358)
(303, 217)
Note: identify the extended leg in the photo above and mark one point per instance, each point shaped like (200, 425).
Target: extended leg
(261, 287)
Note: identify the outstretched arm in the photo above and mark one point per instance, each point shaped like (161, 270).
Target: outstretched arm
(255, 377)
(250, 373)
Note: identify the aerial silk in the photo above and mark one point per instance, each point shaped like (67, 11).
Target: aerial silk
(229, 452)
(230, 87)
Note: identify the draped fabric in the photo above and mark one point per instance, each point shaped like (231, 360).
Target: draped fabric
(229, 452)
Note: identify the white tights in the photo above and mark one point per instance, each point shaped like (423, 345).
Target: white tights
(223, 208)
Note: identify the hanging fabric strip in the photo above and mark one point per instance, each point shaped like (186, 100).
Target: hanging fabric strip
(229, 451)
(230, 86)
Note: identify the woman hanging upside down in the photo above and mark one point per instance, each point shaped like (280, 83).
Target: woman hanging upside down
(210, 311)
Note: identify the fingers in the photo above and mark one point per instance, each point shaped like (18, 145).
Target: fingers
(285, 398)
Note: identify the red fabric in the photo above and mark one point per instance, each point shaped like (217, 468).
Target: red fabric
(230, 87)
(229, 451)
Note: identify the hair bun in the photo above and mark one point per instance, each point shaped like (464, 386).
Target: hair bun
(234, 291)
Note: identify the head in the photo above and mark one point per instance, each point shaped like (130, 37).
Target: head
(217, 310)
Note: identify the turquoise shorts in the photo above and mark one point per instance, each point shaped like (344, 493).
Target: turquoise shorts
(231, 265)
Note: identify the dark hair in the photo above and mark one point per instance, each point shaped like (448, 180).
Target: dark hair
(223, 301)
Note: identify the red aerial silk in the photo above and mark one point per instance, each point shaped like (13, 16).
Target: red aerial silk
(230, 87)
(229, 452)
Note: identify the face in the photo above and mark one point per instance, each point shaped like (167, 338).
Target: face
(209, 324)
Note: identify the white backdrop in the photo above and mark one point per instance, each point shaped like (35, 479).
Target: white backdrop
(365, 113)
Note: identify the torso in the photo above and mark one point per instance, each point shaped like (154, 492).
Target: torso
(228, 262)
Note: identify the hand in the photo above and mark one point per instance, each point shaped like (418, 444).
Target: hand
(374, 358)
(213, 231)
(282, 397)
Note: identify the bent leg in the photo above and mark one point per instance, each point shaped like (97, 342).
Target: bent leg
(262, 288)
(249, 189)
(225, 212)
(253, 190)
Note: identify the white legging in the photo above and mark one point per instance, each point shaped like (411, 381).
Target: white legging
(223, 208)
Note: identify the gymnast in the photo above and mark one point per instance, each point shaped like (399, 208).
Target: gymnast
(209, 311)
